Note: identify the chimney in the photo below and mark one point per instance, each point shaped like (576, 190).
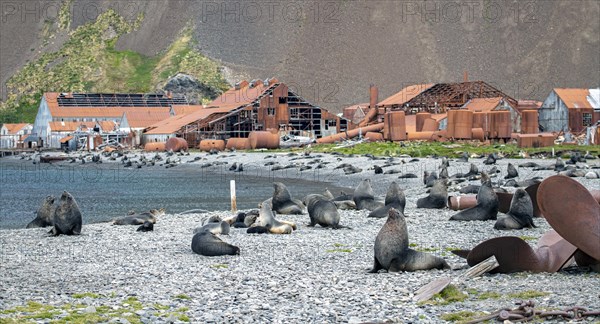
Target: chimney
(373, 96)
(465, 76)
(241, 84)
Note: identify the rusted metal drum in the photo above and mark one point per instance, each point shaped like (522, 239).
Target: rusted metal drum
(156, 146)
(462, 202)
(430, 125)
(529, 122)
(535, 140)
(238, 143)
(504, 199)
(176, 144)
(424, 136)
(262, 139)
(478, 134)
(209, 144)
(349, 134)
(463, 123)
(451, 121)
(501, 124)
(394, 126)
(421, 117)
(374, 136)
(480, 120)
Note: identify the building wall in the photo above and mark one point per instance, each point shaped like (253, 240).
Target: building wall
(150, 138)
(553, 115)
(40, 126)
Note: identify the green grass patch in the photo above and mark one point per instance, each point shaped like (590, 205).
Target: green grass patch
(489, 295)
(86, 294)
(528, 294)
(161, 306)
(339, 251)
(450, 294)
(426, 249)
(182, 296)
(219, 266)
(338, 244)
(461, 316)
(528, 238)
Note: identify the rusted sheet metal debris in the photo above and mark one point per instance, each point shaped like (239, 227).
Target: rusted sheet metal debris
(526, 312)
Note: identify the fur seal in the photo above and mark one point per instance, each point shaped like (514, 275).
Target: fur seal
(408, 176)
(208, 244)
(511, 172)
(464, 157)
(392, 252)
(139, 219)
(146, 227)
(283, 203)
(378, 169)
(520, 214)
(487, 204)
(469, 189)
(67, 216)
(491, 159)
(267, 219)
(394, 198)
(352, 169)
(437, 198)
(429, 178)
(44, 214)
(364, 197)
(322, 211)
(216, 228)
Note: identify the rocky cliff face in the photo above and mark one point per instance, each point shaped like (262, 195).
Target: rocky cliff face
(330, 51)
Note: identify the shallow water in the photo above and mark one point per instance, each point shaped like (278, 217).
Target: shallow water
(105, 191)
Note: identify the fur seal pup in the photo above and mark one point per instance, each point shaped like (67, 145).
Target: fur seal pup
(364, 197)
(520, 214)
(351, 169)
(267, 219)
(511, 172)
(491, 159)
(392, 252)
(437, 198)
(216, 228)
(67, 216)
(44, 214)
(322, 211)
(257, 230)
(487, 204)
(208, 244)
(378, 169)
(464, 157)
(283, 202)
(146, 227)
(394, 198)
(139, 219)
(408, 176)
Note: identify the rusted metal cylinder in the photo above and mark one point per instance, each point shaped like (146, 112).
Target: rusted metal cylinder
(238, 143)
(480, 120)
(350, 134)
(501, 124)
(176, 144)
(535, 140)
(369, 117)
(596, 195)
(477, 133)
(155, 146)
(421, 117)
(529, 122)
(462, 202)
(263, 139)
(394, 126)
(424, 136)
(430, 125)
(463, 123)
(450, 125)
(374, 136)
(209, 144)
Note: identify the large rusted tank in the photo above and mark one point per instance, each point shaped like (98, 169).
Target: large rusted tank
(480, 120)
(421, 117)
(176, 144)
(425, 136)
(430, 125)
(350, 134)
(238, 143)
(463, 124)
(155, 146)
(500, 124)
(529, 122)
(211, 144)
(394, 126)
(535, 140)
(263, 139)
(450, 124)
(374, 136)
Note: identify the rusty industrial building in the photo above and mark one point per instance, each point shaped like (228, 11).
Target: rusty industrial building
(571, 110)
(247, 107)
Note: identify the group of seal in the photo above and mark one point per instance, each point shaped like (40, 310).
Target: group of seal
(139, 219)
(65, 218)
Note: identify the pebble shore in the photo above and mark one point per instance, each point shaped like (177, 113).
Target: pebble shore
(312, 275)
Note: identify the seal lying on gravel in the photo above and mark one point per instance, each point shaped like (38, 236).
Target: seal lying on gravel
(139, 219)
(44, 214)
(67, 216)
(267, 220)
(392, 252)
(215, 228)
(208, 244)
(364, 197)
(393, 199)
(520, 214)
(438, 196)
(487, 204)
(283, 202)
(322, 211)
(146, 227)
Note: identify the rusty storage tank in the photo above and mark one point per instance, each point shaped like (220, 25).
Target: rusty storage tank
(394, 128)
(430, 125)
(423, 136)
(480, 120)
(374, 136)
(155, 146)
(501, 124)
(478, 134)
(451, 121)
(263, 139)
(238, 143)
(176, 144)
(421, 117)
(350, 134)
(211, 144)
(463, 124)
(535, 140)
(529, 122)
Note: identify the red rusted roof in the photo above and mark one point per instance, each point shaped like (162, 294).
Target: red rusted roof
(104, 112)
(529, 104)
(239, 97)
(574, 98)
(143, 119)
(14, 128)
(173, 124)
(185, 109)
(107, 125)
(405, 95)
(66, 139)
(482, 104)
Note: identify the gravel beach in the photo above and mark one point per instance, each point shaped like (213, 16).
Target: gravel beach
(312, 275)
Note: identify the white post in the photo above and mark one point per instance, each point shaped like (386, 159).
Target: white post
(553, 152)
(233, 200)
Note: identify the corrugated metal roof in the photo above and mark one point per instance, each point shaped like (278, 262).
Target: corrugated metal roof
(482, 104)
(68, 126)
(185, 109)
(405, 95)
(529, 104)
(66, 139)
(107, 125)
(574, 98)
(173, 124)
(239, 97)
(143, 119)
(14, 128)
